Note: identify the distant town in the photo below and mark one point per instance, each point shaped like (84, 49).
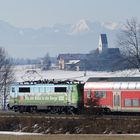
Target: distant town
(100, 59)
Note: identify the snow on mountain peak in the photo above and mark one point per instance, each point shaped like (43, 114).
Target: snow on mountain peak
(111, 25)
(80, 27)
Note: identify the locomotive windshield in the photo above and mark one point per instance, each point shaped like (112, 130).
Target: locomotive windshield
(60, 89)
(24, 89)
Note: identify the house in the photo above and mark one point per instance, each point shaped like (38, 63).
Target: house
(73, 65)
(72, 61)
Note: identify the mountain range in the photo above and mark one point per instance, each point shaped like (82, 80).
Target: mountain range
(81, 37)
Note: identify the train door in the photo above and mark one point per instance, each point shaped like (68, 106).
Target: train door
(117, 100)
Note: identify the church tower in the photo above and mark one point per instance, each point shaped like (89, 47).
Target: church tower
(103, 44)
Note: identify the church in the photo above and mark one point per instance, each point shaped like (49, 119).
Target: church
(103, 47)
(103, 58)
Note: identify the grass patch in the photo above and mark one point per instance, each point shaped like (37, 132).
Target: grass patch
(68, 137)
(70, 126)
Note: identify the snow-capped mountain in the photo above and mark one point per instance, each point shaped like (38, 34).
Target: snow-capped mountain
(80, 37)
(111, 25)
(80, 27)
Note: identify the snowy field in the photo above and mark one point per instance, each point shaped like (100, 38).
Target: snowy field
(25, 73)
(17, 133)
(99, 135)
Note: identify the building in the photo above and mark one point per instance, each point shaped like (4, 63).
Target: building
(103, 47)
(110, 54)
(103, 58)
(72, 61)
(103, 44)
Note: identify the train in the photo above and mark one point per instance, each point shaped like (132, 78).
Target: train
(48, 96)
(113, 94)
(97, 94)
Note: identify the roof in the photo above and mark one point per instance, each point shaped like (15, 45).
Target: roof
(111, 51)
(73, 62)
(113, 83)
(104, 39)
(47, 82)
(114, 79)
(73, 56)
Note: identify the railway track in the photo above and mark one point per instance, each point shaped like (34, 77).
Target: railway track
(9, 114)
(38, 115)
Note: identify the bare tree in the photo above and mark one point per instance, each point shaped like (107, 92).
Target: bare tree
(6, 77)
(46, 63)
(129, 43)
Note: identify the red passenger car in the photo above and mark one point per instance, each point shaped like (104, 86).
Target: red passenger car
(113, 93)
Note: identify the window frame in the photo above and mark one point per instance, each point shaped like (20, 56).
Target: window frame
(126, 102)
(135, 105)
(100, 94)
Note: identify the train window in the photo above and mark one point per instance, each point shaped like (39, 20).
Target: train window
(60, 89)
(135, 102)
(24, 89)
(127, 102)
(100, 94)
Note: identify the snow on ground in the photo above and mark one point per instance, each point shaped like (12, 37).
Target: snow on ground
(30, 72)
(17, 133)
(33, 134)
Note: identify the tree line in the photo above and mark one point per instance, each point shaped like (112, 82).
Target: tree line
(6, 76)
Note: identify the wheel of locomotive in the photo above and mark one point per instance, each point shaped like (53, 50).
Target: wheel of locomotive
(31, 109)
(15, 108)
(107, 111)
(21, 109)
(54, 110)
(70, 110)
(63, 111)
(60, 110)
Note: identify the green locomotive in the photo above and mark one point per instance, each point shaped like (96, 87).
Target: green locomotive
(51, 97)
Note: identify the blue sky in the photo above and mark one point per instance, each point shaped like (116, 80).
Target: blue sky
(38, 13)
